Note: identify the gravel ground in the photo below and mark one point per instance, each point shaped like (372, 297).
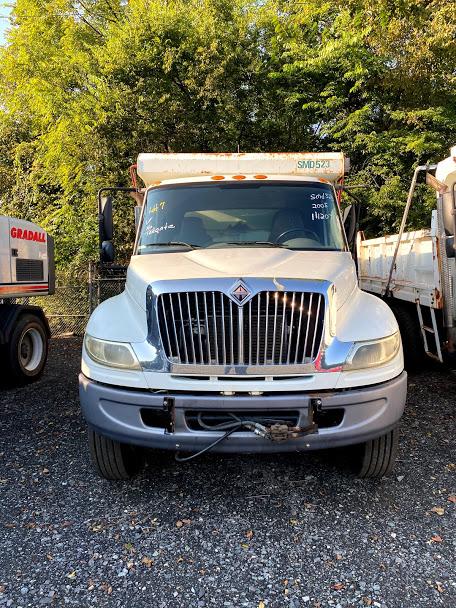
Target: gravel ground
(264, 531)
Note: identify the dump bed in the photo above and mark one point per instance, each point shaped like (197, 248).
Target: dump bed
(416, 275)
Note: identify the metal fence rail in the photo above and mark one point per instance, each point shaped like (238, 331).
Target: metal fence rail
(101, 289)
(69, 308)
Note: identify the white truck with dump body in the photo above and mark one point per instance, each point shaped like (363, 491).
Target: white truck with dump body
(242, 327)
(415, 271)
(26, 269)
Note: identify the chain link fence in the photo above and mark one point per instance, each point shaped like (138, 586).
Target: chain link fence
(69, 308)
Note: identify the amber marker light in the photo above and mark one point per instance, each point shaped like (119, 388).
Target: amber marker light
(260, 177)
(217, 178)
(238, 176)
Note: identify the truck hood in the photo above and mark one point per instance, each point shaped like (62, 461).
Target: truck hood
(334, 266)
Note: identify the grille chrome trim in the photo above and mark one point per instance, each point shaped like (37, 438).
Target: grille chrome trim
(265, 336)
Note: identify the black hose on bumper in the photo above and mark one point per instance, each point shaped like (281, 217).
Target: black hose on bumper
(277, 431)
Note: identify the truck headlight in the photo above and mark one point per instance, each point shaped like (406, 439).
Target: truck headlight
(374, 353)
(112, 354)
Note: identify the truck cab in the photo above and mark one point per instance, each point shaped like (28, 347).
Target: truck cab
(242, 327)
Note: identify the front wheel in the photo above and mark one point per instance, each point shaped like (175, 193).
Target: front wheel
(114, 460)
(376, 457)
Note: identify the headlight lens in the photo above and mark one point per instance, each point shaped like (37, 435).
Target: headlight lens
(113, 354)
(373, 354)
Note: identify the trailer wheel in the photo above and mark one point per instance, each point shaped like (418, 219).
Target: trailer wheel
(412, 340)
(27, 350)
(376, 457)
(113, 460)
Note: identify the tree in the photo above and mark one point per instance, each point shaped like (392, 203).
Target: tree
(377, 81)
(85, 86)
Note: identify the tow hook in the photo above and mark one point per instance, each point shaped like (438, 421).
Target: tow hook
(280, 432)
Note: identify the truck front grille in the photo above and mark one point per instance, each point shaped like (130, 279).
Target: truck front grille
(272, 328)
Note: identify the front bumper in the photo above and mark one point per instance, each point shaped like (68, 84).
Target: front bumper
(121, 413)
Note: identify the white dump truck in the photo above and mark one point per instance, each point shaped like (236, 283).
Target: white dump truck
(242, 327)
(26, 269)
(415, 271)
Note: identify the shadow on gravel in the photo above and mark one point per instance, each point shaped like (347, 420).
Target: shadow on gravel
(222, 530)
(335, 461)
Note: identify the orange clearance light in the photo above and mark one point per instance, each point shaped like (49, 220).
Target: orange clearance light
(155, 183)
(238, 176)
(218, 177)
(260, 176)
(324, 181)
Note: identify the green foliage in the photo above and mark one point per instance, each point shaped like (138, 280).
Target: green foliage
(378, 81)
(84, 87)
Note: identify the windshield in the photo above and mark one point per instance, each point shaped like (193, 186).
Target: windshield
(294, 215)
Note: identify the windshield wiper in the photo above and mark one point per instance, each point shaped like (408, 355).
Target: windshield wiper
(175, 244)
(261, 243)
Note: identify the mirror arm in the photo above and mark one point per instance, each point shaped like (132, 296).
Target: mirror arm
(352, 196)
(344, 188)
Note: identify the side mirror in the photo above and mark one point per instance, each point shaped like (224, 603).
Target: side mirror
(350, 220)
(107, 228)
(108, 253)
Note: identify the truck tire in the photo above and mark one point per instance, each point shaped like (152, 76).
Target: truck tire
(412, 341)
(377, 456)
(26, 352)
(113, 460)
